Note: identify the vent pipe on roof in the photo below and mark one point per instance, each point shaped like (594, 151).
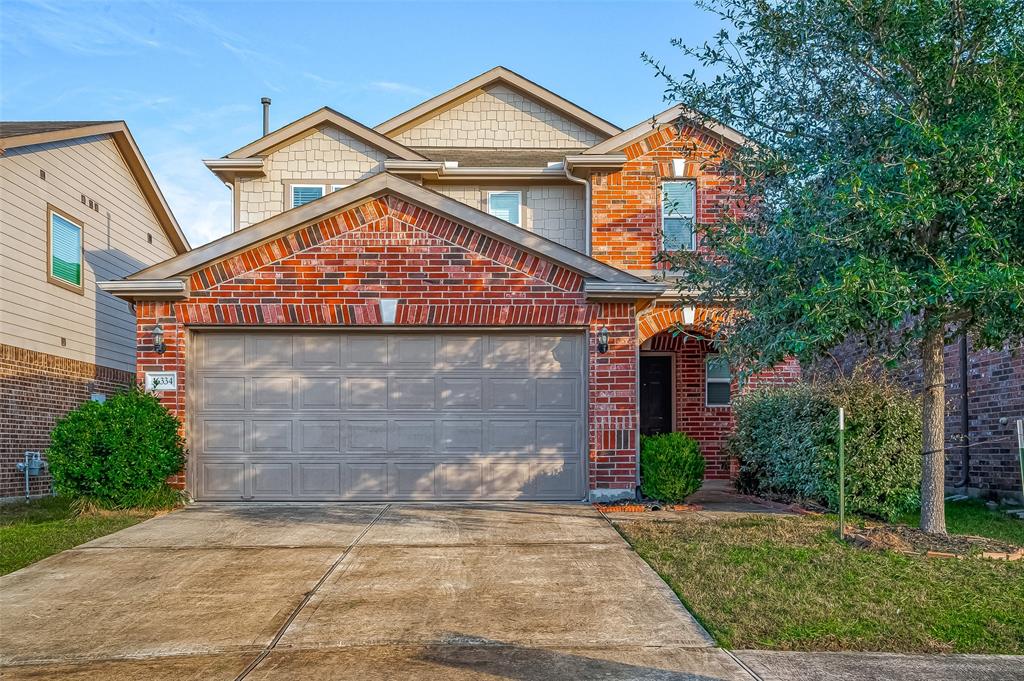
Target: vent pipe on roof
(266, 115)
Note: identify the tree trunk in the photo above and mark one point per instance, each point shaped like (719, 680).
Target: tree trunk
(933, 413)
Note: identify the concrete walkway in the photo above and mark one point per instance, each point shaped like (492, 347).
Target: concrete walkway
(428, 591)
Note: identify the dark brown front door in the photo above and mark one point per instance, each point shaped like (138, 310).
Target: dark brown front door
(655, 394)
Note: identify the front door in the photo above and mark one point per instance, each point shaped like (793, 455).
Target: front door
(655, 394)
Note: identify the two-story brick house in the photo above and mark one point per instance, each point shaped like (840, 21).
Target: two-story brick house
(459, 303)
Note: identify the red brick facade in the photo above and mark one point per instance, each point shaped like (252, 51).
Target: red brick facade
(627, 234)
(441, 272)
(626, 213)
(37, 389)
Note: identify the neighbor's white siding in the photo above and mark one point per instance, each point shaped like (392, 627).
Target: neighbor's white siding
(325, 154)
(35, 314)
(500, 117)
(553, 211)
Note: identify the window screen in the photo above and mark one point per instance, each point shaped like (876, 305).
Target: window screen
(505, 205)
(65, 250)
(678, 207)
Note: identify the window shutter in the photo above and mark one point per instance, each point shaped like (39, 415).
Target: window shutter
(505, 206)
(303, 195)
(65, 250)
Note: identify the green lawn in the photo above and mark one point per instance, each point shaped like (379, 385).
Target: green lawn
(973, 517)
(786, 582)
(37, 529)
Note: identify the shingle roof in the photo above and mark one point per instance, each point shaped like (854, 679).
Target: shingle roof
(18, 128)
(496, 158)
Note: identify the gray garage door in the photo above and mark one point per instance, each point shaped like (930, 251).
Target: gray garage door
(324, 416)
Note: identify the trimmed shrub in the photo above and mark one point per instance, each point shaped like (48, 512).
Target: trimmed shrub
(118, 453)
(671, 467)
(786, 440)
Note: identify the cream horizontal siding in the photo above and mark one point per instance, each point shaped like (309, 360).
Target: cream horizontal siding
(554, 211)
(35, 314)
(500, 117)
(327, 154)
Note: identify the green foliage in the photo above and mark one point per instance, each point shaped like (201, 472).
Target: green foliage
(671, 467)
(119, 453)
(787, 442)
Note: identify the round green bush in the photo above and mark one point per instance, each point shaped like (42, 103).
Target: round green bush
(117, 453)
(671, 467)
(787, 442)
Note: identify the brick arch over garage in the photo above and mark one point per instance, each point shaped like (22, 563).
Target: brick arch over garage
(660, 319)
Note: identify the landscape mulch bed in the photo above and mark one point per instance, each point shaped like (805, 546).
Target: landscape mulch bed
(642, 507)
(911, 540)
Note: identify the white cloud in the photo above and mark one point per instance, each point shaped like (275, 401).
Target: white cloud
(401, 88)
(201, 202)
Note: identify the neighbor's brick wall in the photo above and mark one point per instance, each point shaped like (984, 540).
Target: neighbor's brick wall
(996, 391)
(37, 389)
(710, 426)
(626, 202)
(442, 273)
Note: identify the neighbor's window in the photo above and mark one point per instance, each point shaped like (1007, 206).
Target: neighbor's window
(506, 206)
(678, 209)
(718, 381)
(304, 193)
(65, 250)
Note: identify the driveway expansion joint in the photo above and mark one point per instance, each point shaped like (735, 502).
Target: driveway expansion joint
(309, 596)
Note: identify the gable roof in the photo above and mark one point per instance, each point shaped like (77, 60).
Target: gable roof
(363, 191)
(325, 116)
(498, 74)
(16, 134)
(667, 117)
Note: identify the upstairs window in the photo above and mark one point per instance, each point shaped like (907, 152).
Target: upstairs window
(678, 211)
(64, 250)
(506, 206)
(304, 193)
(718, 381)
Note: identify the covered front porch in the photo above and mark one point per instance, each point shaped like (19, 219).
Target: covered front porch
(685, 384)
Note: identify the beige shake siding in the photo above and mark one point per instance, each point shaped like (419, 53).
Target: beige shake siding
(34, 313)
(500, 117)
(553, 211)
(325, 154)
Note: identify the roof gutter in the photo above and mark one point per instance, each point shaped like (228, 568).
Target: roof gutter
(586, 205)
(146, 289)
(608, 290)
(440, 169)
(229, 168)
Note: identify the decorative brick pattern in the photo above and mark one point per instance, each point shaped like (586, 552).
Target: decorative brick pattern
(500, 116)
(614, 410)
(37, 389)
(626, 205)
(442, 273)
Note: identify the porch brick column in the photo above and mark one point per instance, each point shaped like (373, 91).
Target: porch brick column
(613, 407)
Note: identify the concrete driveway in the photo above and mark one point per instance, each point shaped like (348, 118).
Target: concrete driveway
(411, 591)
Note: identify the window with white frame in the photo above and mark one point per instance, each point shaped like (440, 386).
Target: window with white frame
(678, 212)
(64, 248)
(304, 193)
(506, 206)
(718, 381)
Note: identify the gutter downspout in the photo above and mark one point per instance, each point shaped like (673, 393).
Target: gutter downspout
(586, 201)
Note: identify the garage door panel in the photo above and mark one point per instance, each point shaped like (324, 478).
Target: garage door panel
(337, 415)
(320, 479)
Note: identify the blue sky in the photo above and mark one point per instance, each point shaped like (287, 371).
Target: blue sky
(188, 76)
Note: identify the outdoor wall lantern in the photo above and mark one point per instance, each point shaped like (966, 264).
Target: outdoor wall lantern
(688, 314)
(158, 340)
(602, 340)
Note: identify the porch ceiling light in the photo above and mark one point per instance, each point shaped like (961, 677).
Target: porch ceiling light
(158, 340)
(689, 313)
(602, 340)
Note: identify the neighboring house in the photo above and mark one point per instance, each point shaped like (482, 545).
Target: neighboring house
(994, 402)
(459, 303)
(77, 205)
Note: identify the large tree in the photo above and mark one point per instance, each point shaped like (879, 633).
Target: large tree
(882, 185)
